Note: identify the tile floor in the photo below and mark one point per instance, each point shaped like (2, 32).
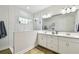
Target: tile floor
(6, 51)
(36, 50)
(40, 50)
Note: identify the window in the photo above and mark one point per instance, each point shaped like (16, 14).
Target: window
(24, 20)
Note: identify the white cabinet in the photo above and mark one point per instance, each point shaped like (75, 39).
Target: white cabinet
(59, 44)
(48, 41)
(42, 40)
(52, 43)
(63, 45)
(68, 45)
(73, 46)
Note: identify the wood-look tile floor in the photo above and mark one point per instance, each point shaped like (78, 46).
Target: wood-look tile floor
(40, 50)
(6, 51)
(36, 50)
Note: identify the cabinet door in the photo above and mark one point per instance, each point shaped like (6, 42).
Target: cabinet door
(42, 40)
(63, 45)
(52, 43)
(73, 48)
(68, 45)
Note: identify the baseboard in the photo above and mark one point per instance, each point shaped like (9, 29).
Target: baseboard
(25, 50)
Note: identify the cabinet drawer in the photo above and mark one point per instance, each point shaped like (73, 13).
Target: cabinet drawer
(69, 39)
(74, 40)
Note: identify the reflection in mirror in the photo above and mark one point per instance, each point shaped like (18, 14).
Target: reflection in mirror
(23, 20)
(61, 23)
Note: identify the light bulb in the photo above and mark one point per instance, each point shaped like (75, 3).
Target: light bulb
(73, 9)
(68, 10)
(63, 11)
(49, 15)
(44, 16)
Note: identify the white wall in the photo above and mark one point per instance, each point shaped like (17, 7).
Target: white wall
(4, 42)
(14, 26)
(10, 15)
(25, 14)
(24, 41)
(11, 26)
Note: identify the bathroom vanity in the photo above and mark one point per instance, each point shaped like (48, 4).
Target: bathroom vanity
(63, 42)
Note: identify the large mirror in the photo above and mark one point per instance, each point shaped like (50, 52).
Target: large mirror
(60, 18)
(64, 23)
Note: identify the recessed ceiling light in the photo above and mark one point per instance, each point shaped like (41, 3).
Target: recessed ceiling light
(27, 7)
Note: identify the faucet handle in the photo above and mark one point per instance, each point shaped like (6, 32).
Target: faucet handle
(56, 32)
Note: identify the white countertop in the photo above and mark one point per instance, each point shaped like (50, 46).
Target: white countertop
(64, 34)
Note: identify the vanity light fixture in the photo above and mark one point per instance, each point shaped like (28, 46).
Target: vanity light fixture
(73, 9)
(63, 11)
(44, 16)
(47, 16)
(68, 10)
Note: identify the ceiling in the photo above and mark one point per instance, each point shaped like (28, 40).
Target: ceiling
(36, 8)
(33, 8)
